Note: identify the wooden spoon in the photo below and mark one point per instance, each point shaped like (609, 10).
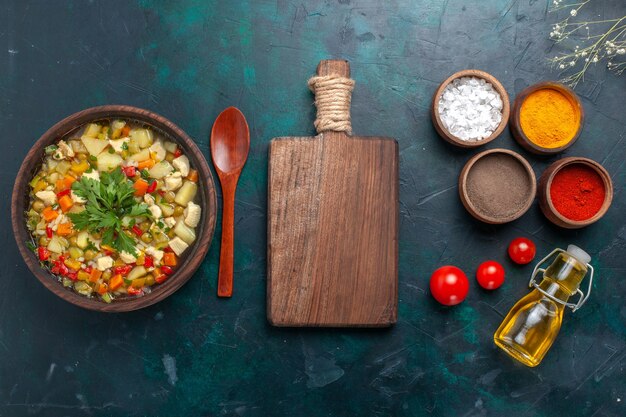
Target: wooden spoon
(230, 142)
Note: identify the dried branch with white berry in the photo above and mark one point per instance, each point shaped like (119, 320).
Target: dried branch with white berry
(601, 40)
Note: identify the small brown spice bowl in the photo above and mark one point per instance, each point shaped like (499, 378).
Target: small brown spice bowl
(515, 124)
(189, 262)
(440, 128)
(545, 184)
(497, 186)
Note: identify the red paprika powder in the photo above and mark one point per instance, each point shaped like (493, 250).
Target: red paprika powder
(577, 192)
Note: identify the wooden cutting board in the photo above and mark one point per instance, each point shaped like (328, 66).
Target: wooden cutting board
(333, 228)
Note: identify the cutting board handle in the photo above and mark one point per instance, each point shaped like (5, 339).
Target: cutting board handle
(336, 67)
(333, 94)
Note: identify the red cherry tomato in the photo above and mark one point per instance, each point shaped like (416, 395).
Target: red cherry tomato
(449, 285)
(490, 275)
(522, 250)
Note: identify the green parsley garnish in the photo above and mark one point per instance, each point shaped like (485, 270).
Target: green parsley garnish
(145, 174)
(125, 146)
(91, 246)
(108, 201)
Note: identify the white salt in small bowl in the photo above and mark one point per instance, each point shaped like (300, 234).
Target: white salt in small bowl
(440, 126)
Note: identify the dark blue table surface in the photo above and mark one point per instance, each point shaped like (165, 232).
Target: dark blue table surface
(196, 355)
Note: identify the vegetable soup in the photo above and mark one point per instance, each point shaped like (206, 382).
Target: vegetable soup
(112, 209)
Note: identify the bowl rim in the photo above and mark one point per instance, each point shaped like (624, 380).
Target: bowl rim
(467, 202)
(447, 136)
(32, 161)
(516, 127)
(556, 167)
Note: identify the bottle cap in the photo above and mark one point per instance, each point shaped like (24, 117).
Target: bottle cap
(582, 256)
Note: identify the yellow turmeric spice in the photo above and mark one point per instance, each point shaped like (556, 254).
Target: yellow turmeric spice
(549, 118)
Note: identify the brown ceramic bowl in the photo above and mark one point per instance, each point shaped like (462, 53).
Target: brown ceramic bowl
(545, 202)
(439, 127)
(497, 186)
(191, 260)
(516, 128)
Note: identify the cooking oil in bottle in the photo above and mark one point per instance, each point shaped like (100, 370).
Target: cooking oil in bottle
(532, 325)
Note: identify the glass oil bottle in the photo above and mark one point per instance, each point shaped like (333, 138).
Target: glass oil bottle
(532, 325)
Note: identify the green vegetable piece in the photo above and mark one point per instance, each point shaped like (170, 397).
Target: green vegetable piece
(62, 167)
(143, 137)
(186, 193)
(83, 288)
(109, 161)
(137, 272)
(75, 252)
